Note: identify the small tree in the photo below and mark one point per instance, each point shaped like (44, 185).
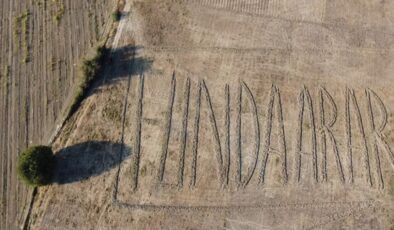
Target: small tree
(35, 165)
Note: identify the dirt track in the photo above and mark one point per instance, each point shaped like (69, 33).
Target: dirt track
(235, 115)
(38, 64)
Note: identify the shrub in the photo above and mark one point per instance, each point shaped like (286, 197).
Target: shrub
(90, 69)
(116, 15)
(35, 165)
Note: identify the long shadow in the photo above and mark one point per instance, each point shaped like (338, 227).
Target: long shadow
(111, 65)
(125, 61)
(88, 159)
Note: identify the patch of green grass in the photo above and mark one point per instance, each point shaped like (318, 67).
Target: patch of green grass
(112, 111)
(143, 171)
(25, 27)
(16, 32)
(38, 3)
(112, 114)
(53, 64)
(5, 77)
(96, 28)
(60, 12)
(90, 68)
(391, 185)
(21, 27)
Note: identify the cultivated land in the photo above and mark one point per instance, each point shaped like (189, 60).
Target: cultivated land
(41, 44)
(234, 115)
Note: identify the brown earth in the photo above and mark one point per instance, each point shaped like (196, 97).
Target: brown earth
(234, 114)
(41, 45)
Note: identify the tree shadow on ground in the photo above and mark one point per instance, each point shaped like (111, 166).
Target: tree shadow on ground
(105, 68)
(126, 61)
(88, 159)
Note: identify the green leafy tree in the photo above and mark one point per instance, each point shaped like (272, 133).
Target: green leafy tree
(35, 165)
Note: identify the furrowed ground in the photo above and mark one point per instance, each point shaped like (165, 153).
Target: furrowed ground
(41, 45)
(234, 114)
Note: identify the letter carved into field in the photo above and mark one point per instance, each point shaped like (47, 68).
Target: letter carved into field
(326, 123)
(137, 144)
(350, 99)
(222, 159)
(377, 136)
(275, 94)
(166, 136)
(305, 100)
(252, 166)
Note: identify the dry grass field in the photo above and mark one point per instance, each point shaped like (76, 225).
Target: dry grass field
(41, 44)
(234, 114)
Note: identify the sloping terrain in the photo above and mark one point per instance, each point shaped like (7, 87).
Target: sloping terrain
(234, 114)
(41, 45)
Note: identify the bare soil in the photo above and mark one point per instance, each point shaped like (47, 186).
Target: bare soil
(235, 115)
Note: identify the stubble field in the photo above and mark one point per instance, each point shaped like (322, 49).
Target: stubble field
(41, 45)
(234, 115)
